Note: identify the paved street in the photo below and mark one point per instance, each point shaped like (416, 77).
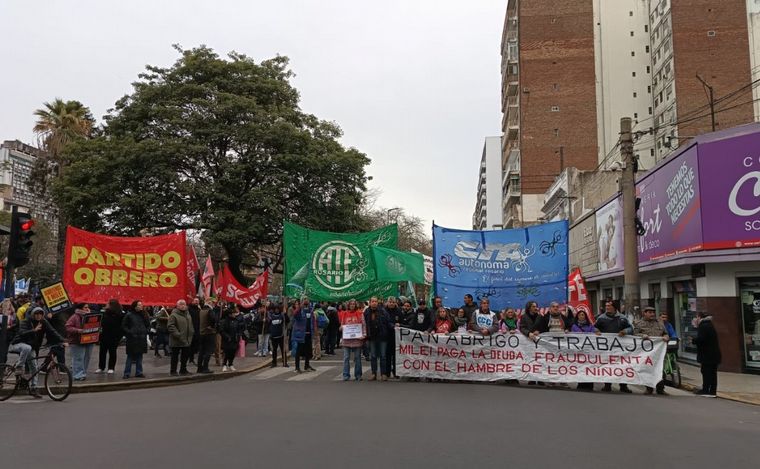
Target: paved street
(280, 419)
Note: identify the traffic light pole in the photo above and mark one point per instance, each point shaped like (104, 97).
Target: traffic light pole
(9, 267)
(632, 290)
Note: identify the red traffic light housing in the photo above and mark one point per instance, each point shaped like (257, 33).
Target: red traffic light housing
(21, 238)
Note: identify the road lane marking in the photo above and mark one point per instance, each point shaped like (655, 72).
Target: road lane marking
(310, 375)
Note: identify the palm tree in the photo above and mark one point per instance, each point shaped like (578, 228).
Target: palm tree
(61, 122)
(58, 123)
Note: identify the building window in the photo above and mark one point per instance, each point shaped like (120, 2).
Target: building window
(650, 111)
(633, 74)
(634, 94)
(555, 86)
(646, 49)
(649, 69)
(646, 28)
(556, 132)
(633, 54)
(649, 89)
(555, 108)
(631, 33)
(710, 33)
(630, 13)
(554, 20)
(635, 115)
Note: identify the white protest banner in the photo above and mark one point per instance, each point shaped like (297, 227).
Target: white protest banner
(553, 358)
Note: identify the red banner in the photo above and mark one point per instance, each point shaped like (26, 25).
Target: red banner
(576, 288)
(97, 268)
(234, 292)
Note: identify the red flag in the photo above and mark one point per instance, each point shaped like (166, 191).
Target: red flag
(219, 283)
(193, 269)
(234, 292)
(208, 277)
(576, 287)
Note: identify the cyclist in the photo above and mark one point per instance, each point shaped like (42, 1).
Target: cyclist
(31, 332)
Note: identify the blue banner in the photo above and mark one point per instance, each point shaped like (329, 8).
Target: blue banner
(510, 267)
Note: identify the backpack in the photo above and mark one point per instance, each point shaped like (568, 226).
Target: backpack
(322, 320)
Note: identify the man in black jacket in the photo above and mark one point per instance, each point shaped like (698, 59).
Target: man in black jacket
(708, 354)
(469, 307)
(396, 318)
(378, 324)
(195, 310)
(612, 322)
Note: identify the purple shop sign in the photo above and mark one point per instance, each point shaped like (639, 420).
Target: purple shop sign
(670, 208)
(730, 182)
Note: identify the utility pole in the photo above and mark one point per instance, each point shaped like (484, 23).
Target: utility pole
(631, 292)
(709, 92)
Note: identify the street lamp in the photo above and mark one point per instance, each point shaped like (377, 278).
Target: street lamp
(388, 214)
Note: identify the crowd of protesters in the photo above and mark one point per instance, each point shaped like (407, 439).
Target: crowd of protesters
(190, 334)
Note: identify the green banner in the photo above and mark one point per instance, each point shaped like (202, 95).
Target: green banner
(335, 266)
(398, 266)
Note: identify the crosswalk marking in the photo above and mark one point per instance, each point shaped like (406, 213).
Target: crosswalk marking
(366, 370)
(308, 376)
(272, 372)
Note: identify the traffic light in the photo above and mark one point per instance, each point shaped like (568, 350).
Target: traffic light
(21, 238)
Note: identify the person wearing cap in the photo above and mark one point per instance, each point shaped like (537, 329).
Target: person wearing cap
(32, 331)
(646, 327)
(419, 319)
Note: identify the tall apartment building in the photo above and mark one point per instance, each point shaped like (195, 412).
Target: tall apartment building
(548, 100)
(16, 163)
(572, 69)
(488, 209)
(706, 38)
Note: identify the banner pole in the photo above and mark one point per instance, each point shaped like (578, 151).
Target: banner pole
(286, 339)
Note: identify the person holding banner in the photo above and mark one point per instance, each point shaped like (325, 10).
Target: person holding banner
(528, 319)
(553, 322)
(418, 319)
(353, 330)
(582, 325)
(378, 324)
(612, 322)
(508, 322)
(484, 321)
(396, 317)
(80, 353)
(649, 326)
(443, 324)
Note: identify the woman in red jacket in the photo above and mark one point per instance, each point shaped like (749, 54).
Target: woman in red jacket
(354, 332)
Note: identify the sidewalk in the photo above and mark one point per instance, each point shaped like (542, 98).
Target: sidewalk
(156, 371)
(739, 387)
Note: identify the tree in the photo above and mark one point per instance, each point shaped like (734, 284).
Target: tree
(219, 145)
(59, 123)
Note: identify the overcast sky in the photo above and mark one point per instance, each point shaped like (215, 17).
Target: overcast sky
(413, 83)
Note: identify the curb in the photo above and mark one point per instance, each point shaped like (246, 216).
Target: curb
(164, 382)
(693, 388)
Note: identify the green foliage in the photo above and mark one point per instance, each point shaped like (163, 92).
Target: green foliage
(215, 144)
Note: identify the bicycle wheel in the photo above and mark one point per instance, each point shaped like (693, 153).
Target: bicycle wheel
(58, 381)
(7, 382)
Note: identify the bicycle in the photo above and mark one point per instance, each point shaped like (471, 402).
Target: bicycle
(670, 369)
(58, 379)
